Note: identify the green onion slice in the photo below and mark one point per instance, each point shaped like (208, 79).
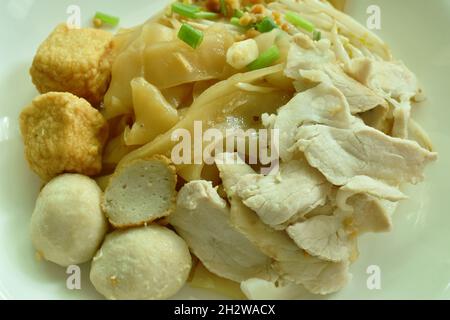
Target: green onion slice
(190, 35)
(206, 15)
(223, 8)
(235, 22)
(266, 25)
(192, 11)
(298, 21)
(238, 13)
(192, 6)
(185, 10)
(106, 18)
(317, 35)
(265, 59)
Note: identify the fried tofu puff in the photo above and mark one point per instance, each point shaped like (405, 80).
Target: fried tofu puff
(63, 133)
(74, 60)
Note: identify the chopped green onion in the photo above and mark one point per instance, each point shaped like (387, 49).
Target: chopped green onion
(238, 13)
(185, 10)
(265, 59)
(266, 25)
(192, 6)
(190, 35)
(236, 22)
(206, 15)
(192, 11)
(317, 35)
(223, 8)
(298, 21)
(106, 18)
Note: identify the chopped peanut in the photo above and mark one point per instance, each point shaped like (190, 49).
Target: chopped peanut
(276, 15)
(97, 23)
(252, 33)
(257, 9)
(247, 19)
(234, 4)
(239, 37)
(259, 17)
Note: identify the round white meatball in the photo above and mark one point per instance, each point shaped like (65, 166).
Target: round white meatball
(145, 263)
(68, 225)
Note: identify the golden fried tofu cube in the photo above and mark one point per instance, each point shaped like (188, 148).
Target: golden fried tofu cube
(76, 61)
(63, 133)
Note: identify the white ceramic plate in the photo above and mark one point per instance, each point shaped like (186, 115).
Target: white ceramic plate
(414, 259)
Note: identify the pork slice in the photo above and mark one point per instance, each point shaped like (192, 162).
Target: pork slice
(340, 154)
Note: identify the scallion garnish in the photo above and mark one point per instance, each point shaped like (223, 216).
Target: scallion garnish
(238, 13)
(317, 35)
(265, 59)
(192, 6)
(192, 11)
(106, 18)
(223, 8)
(206, 15)
(236, 22)
(266, 25)
(298, 21)
(185, 10)
(190, 35)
